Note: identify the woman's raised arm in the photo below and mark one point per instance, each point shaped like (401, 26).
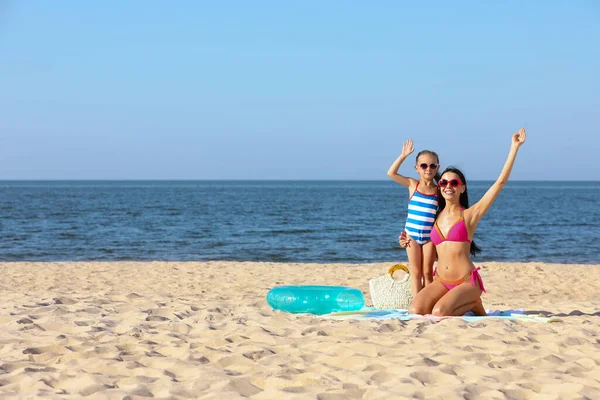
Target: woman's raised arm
(478, 210)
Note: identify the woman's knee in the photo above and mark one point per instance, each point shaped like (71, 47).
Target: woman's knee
(441, 310)
(417, 307)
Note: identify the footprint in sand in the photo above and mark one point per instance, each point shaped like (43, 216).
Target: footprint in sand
(64, 300)
(243, 387)
(427, 377)
(258, 354)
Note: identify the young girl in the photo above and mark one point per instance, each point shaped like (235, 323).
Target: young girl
(422, 207)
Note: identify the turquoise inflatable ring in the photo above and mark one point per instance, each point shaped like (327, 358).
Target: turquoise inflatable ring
(315, 299)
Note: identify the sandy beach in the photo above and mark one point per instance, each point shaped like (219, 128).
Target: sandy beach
(172, 330)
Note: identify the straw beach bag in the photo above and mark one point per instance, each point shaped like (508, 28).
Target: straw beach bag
(386, 292)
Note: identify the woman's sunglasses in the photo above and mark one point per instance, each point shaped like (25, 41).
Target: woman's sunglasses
(432, 166)
(453, 182)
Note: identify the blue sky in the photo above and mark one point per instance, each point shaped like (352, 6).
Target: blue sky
(296, 90)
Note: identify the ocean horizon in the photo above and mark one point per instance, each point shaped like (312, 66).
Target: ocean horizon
(322, 221)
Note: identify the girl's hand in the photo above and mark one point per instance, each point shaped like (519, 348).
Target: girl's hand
(519, 138)
(407, 148)
(404, 240)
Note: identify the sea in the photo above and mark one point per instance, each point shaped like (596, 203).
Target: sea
(279, 221)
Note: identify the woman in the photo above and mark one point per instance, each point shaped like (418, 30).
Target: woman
(457, 286)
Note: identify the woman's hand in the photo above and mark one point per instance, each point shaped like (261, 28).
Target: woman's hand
(519, 138)
(404, 240)
(407, 148)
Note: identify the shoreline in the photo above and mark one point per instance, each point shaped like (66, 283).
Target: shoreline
(204, 330)
(261, 262)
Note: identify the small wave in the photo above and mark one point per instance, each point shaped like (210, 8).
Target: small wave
(359, 239)
(290, 231)
(216, 245)
(67, 235)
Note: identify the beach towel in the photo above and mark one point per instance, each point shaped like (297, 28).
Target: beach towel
(370, 313)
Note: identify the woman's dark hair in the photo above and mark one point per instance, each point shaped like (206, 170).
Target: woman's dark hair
(437, 176)
(463, 200)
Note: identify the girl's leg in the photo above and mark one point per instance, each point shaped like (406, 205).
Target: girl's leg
(415, 263)
(424, 301)
(428, 260)
(465, 297)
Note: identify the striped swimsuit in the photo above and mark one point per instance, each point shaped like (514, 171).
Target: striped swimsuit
(421, 215)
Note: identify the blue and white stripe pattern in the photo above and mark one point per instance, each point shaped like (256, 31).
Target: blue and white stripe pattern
(421, 216)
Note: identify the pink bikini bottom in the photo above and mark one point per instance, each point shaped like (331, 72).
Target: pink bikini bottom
(473, 276)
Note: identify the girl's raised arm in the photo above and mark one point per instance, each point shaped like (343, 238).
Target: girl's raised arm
(407, 149)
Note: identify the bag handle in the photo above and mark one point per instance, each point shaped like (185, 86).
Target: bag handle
(398, 267)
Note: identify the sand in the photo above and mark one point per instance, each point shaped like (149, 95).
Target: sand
(204, 330)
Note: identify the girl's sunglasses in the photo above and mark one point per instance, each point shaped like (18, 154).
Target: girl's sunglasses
(432, 166)
(453, 182)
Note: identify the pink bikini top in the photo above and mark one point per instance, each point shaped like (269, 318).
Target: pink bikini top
(457, 233)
